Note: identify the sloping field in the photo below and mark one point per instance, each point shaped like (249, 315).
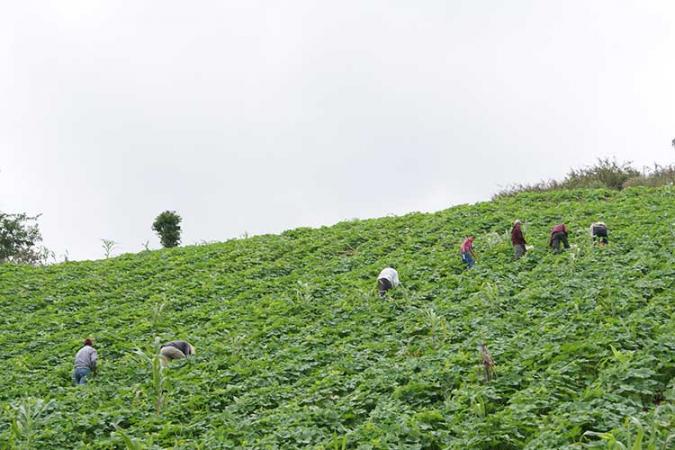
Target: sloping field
(295, 349)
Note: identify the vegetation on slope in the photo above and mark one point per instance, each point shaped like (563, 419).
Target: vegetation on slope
(295, 349)
(605, 173)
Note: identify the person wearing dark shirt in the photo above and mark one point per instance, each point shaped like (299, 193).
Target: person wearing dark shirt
(518, 240)
(175, 350)
(599, 233)
(558, 236)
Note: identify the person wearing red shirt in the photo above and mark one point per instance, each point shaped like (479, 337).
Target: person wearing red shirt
(558, 236)
(466, 250)
(518, 240)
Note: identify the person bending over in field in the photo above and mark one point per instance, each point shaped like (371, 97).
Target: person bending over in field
(466, 250)
(558, 236)
(599, 233)
(387, 279)
(518, 240)
(85, 362)
(175, 350)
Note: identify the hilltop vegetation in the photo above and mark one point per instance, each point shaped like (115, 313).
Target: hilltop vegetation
(605, 173)
(295, 349)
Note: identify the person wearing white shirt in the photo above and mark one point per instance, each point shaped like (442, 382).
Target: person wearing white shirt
(387, 279)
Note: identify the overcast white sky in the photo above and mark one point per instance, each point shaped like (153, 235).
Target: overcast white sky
(259, 116)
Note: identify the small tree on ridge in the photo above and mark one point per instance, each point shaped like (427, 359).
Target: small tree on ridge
(167, 226)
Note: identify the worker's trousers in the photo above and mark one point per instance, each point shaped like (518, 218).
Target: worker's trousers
(168, 353)
(519, 250)
(557, 239)
(468, 259)
(383, 285)
(80, 375)
(600, 234)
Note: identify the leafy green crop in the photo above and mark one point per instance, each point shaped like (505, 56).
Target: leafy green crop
(295, 349)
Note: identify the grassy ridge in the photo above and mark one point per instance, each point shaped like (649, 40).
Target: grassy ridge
(296, 350)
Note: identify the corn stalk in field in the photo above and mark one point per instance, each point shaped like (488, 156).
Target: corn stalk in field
(488, 363)
(28, 413)
(159, 378)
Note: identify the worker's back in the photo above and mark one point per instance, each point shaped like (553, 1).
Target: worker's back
(390, 274)
(86, 357)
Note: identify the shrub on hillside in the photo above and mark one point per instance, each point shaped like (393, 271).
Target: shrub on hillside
(604, 174)
(658, 176)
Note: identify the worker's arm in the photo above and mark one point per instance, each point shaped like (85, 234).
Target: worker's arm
(93, 363)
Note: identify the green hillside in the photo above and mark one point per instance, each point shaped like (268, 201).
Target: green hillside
(295, 349)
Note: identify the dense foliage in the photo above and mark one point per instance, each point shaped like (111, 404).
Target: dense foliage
(20, 238)
(295, 349)
(657, 176)
(605, 173)
(167, 226)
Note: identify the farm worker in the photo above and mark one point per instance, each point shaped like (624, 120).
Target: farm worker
(517, 239)
(85, 362)
(386, 280)
(599, 232)
(558, 235)
(466, 250)
(175, 350)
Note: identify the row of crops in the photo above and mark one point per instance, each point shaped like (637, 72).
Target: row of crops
(296, 350)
